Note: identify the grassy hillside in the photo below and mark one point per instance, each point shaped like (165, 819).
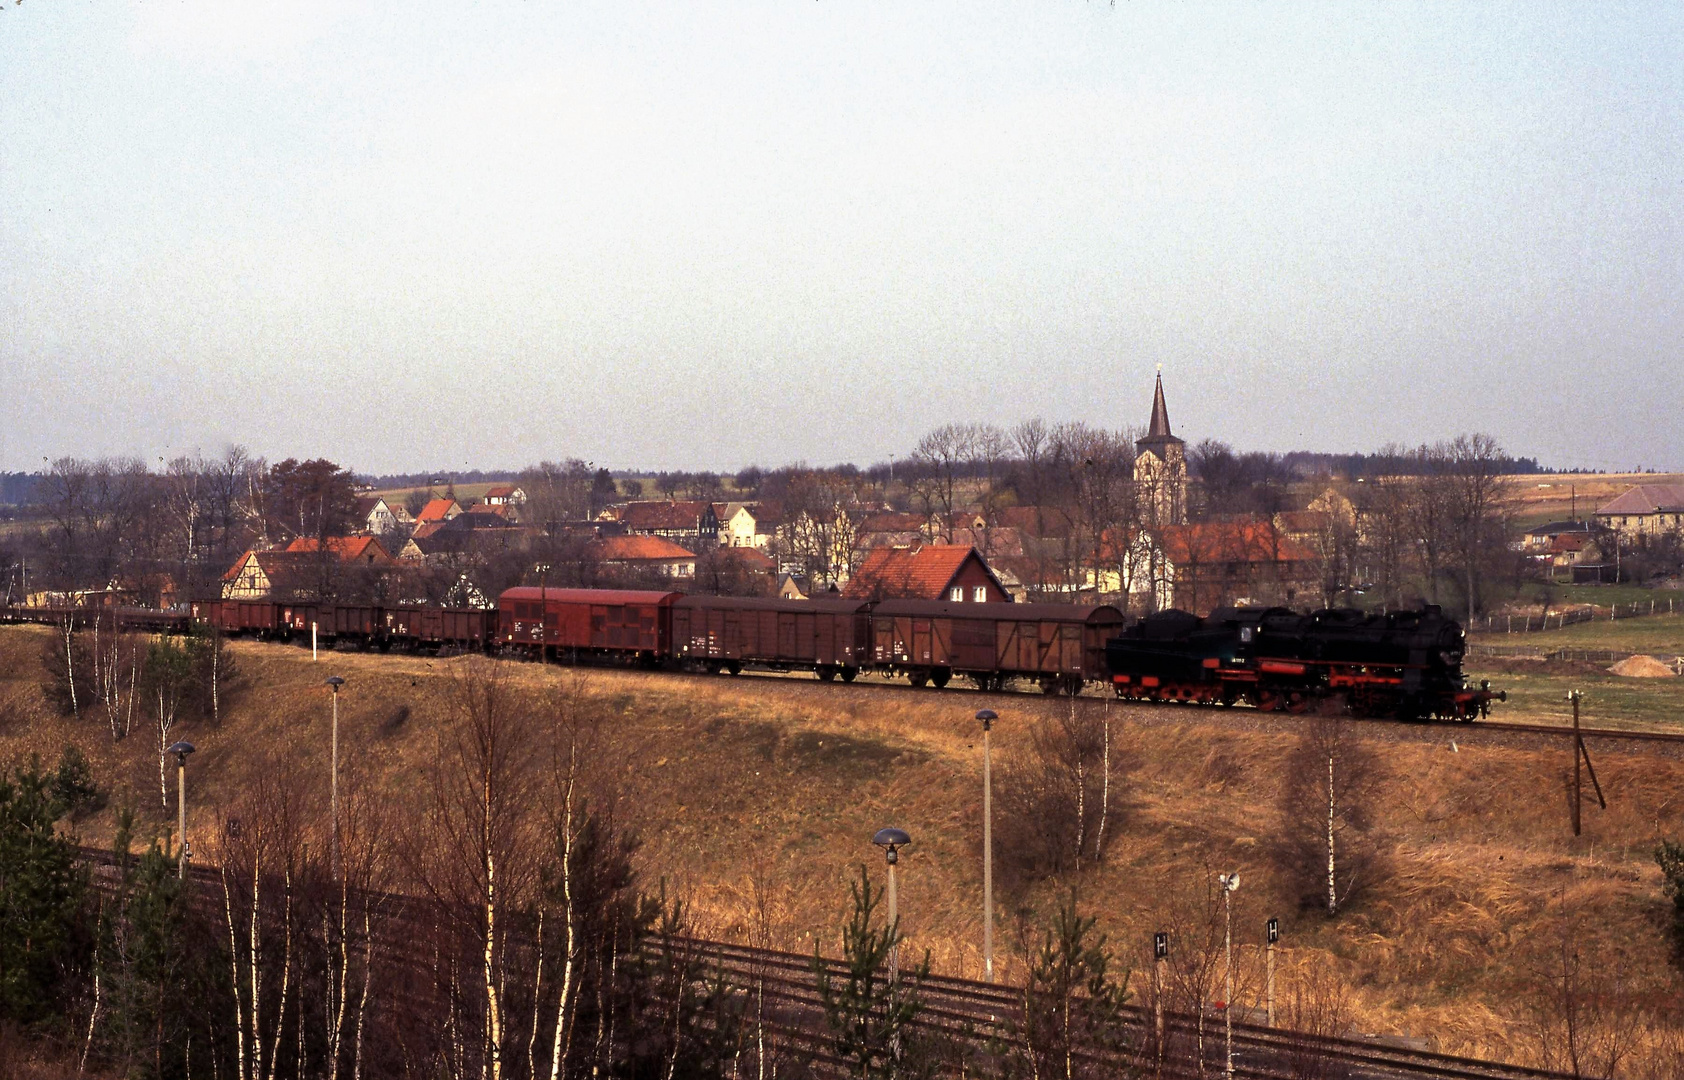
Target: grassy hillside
(726, 778)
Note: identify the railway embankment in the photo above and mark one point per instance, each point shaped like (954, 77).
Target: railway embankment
(756, 798)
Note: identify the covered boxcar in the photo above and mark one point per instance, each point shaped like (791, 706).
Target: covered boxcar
(825, 636)
(1059, 646)
(572, 624)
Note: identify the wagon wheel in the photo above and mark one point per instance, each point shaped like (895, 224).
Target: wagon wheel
(918, 678)
(1268, 700)
(827, 673)
(941, 677)
(735, 667)
(1049, 685)
(1297, 704)
(848, 674)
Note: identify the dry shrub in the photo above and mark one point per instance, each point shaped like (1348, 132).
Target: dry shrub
(1058, 796)
(1584, 1017)
(1327, 847)
(1315, 1003)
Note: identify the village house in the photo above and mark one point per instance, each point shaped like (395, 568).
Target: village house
(439, 510)
(953, 573)
(1645, 510)
(366, 550)
(503, 495)
(747, 525)
(642, 552)
(681, 521)
(1215, 564)
(375, 515)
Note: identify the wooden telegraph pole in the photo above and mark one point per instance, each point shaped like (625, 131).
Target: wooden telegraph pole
(1581, 765)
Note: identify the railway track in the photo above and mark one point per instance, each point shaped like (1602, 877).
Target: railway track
(975, 1013)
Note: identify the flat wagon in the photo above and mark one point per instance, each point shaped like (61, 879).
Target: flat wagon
(727, 633)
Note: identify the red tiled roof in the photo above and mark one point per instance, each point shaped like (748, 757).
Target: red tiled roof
(500, 491)
(894, 523)
(437, 510)
(1230, 541)
(663, 515)
(348, 548)
(920, 573)
(426, 529)
(1035, 520)
(1303, 521)
(636, 549)
(749, 558)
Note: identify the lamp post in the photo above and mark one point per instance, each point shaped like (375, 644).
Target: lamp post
(333, 778)
(891, 841)
(1228, 883)
(987, 717)
(181, 750)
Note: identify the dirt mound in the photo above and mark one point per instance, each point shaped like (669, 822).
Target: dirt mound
(1642, 667)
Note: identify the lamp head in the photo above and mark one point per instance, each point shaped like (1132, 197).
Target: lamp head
(891, 840)
(1229, 882)
(180, 750)
(987, 717)
(336, 682)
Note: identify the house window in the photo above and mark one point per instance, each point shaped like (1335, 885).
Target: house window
(979, 593)
(956, 594)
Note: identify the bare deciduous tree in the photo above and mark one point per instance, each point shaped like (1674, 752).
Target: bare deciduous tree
(1326, 844)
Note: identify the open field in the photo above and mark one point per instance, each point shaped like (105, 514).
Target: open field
(723, 777)
(1657, 635)
(1539, 498)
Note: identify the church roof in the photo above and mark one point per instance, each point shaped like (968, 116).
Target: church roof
(1158, 430)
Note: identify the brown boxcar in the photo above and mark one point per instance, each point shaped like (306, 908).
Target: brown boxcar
(258, 617)
(830, 637)
(578, 622)
(1061, 646)
(457, 627)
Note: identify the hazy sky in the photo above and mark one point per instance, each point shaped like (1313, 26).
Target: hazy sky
(700, 235)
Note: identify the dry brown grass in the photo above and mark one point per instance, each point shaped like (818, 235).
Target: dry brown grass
(723, 775)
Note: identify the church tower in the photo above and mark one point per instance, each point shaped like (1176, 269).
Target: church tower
(1160, 468)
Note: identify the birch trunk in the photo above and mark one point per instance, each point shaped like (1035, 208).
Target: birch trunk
(493, 1006)
(286, 981)
(70, 664)
(1332, 880)
(234, 962)
(362, 997)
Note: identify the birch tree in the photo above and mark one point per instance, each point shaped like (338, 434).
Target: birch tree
(1326, 843)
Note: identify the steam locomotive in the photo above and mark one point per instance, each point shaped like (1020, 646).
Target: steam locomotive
(1404, 665)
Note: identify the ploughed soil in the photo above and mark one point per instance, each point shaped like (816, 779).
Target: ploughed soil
(731, 782)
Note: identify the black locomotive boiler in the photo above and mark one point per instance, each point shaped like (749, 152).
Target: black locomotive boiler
(1403, 664)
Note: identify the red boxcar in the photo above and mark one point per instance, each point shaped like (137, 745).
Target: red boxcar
(258, 617)
(580, 622)
(457, 627)
(1061, 646)
(830, 637)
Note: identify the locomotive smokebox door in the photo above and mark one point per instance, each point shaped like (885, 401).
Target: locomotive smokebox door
(1160, 946)
(1274, 930)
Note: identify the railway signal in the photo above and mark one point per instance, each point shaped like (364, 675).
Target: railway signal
(1160, 958)
(1271, 934)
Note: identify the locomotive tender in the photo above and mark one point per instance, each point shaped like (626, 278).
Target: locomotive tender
(1406, 664)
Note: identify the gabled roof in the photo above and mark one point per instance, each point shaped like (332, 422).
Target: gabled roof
(1230, 541)
(501, 491)
(1647, 499)
(439, 510)
(1556, 528)
(367, 504)
(348, 548)
(673, 516)
(636, 549)
(893, 522)
(912, 573)
(1035, 520)
(1303, 521)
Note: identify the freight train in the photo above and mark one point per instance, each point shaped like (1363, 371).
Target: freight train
(1406, 665)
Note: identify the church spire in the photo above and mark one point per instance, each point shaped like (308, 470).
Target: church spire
(1159, 428)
